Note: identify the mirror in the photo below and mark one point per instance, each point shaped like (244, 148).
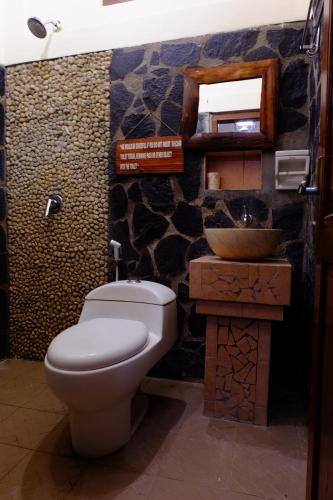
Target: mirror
(230, 106)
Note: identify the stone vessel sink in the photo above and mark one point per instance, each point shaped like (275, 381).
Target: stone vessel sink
(243, 243)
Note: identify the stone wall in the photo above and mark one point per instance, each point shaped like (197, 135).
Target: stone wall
(57, 121)
(160, 219)
(3, 229)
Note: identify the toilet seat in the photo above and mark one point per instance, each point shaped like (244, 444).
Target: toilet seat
(97, 343)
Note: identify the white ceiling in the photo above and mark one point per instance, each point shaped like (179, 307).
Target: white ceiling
(88, 26)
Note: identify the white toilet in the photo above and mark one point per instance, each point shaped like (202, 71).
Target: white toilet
(97, 366)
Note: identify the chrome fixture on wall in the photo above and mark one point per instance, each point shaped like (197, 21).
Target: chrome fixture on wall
(54, 205)
(116, 255)
(311, 31)
(38, 28)
(305, 189)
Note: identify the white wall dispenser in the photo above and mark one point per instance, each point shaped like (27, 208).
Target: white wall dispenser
(291, 168)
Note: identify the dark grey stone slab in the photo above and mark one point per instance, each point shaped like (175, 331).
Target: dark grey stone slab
(120, 101)
(137, 126)
(177, 91)
(219, 219)
(4, 307)
(159, 193)
(197, 323)
(118, 202)
(3, 204)
(2, 165)
(289, 218)
(171, 115)
(155, 59)
(138, 102)
(179, 54)
(145, 266)
(227, 45)
(294, 84)
(287, 40)
(2, 125)
(261, 53)
(3, 269)
(124, 62)
(183, 293)
(190, 180)
(198, 249)
(161, 71)
(134, 193)
(2, 80)
(290, 120)
(154, 90)
(3, 240)
(170, 255)
(187, 219)
(142, 70)
(209, 202)
(147, 226)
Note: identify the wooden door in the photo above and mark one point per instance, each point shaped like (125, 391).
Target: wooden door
(320, 460)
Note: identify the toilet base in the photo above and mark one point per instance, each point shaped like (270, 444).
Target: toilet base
(139, 409)
(99, 434)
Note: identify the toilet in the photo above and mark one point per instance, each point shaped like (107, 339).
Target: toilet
(96, 366)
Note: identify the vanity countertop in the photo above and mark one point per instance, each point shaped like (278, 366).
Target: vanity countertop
(265, 282)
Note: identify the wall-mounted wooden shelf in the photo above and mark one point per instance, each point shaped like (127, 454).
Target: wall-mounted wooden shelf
(238, 170)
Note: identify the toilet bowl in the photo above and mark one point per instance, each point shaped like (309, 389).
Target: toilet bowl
(97, 366)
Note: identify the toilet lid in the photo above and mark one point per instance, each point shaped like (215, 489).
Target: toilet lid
(97, 343)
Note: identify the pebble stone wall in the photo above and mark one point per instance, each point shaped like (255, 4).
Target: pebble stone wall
(57, 120)
(3, 228)
(160, 220)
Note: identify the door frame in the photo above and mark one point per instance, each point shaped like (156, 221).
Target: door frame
(324, 231)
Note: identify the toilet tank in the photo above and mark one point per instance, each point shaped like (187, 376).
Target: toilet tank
(152, 303)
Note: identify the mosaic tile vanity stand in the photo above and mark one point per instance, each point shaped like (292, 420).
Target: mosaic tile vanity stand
(240, 299)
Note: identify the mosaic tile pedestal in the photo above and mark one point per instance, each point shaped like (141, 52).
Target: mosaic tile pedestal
(241, 299)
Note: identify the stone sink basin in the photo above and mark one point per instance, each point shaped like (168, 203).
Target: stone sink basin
(243, 243)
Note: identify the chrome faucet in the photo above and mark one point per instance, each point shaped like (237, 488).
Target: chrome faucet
(54, 205)
(246, 217)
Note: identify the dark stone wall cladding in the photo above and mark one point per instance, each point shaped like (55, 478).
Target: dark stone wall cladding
(314, 92)
(160, 220)
(3, 225)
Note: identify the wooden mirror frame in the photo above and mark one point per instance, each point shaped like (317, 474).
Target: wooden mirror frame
(267, 69)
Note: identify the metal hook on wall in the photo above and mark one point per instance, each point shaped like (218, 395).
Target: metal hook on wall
(313, 48)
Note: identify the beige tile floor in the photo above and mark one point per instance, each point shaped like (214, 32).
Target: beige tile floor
(176, 454)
